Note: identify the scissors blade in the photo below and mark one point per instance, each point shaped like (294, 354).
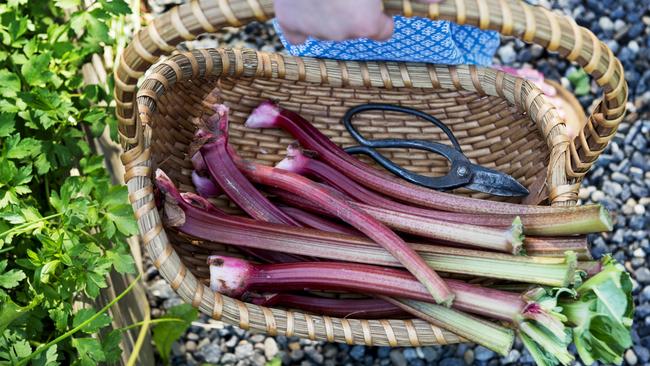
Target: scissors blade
(495, 183)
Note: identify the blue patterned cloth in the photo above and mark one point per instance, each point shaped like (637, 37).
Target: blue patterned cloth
(414, 39)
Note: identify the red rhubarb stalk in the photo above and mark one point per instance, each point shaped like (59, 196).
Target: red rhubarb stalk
(317, 222)
(224, 171)
(269, 115)
(204, 186)
(234, 277)
(341, 308)
(363, 222)
(243, 232)
(587, 221)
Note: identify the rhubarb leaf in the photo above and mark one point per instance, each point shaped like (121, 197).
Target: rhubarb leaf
(602, 315)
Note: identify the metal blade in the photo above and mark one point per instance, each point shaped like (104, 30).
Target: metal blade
(495, 183)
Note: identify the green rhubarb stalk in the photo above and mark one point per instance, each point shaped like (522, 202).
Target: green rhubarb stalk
(489, 335)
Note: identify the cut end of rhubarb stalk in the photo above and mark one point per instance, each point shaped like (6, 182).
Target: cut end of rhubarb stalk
(517, 237)
(606, 218)
(173, 214)
(542, 328)
(200, 202)
(295, 161)
(602, 315)
(229, 275)
(263, 116)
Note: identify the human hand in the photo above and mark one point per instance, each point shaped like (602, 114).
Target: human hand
(334, 20)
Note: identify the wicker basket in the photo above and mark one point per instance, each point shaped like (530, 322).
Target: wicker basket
(501, 122)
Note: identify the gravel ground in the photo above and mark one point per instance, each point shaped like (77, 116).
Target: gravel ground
(620, 180)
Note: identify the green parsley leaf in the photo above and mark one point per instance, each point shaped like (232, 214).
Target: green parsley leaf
(11, 278)
(84, 314)
(165, 334)
(90, 351)
(10, 84)
(36, 71)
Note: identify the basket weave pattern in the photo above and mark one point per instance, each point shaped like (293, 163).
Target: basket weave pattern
(501, 121)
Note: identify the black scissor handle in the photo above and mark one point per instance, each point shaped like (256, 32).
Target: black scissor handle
(347, 121)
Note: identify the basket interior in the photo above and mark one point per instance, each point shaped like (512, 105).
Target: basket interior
(491, 133)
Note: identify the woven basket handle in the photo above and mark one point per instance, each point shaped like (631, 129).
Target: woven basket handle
(555, 32)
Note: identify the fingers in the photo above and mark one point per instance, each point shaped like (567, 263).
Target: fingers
(294, 38)
(383, 29)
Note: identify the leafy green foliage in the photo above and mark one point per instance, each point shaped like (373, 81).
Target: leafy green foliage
(60, 233)
(602, 315)
(580, 82)
(164, 334)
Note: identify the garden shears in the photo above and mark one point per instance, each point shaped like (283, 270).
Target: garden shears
(463, 173)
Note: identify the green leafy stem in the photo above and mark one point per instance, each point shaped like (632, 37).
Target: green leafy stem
(74, 330)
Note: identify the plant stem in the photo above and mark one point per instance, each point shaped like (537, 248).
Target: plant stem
(74, 330)
(269, 115)
(492, 336)
(234, 277)
(244, 232)
(363, 222)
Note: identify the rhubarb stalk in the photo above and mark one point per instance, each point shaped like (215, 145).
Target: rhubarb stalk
(342, 308)
(531, 315)
(225, 173)
(218, 157)
(242, 232)
(269, 115)
(317, 222)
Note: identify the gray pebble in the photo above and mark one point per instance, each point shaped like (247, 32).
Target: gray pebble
(244, 350)
(297, 355)
(630, 357)
(314, 355)
(397, 358)
(430, 354)
(645, 294)
(357, 352)
(161, 290)
(228, 358)
(210, 353)
(232, 342)
(507, 54)
(642, 353)
(410, 354)
(257, 338)
(469, 357)
(512, 357)
(190, 346)
(606, 24)
(452, 362)
(483, 354)
(270, 348)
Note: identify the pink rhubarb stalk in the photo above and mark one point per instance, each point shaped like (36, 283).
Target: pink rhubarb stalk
(270, 115)
(317, 222)
(363, 222)
(585, 221)
(342, 308)
(194, 219)
(533, 313)
(509, 240)
(224, 171)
